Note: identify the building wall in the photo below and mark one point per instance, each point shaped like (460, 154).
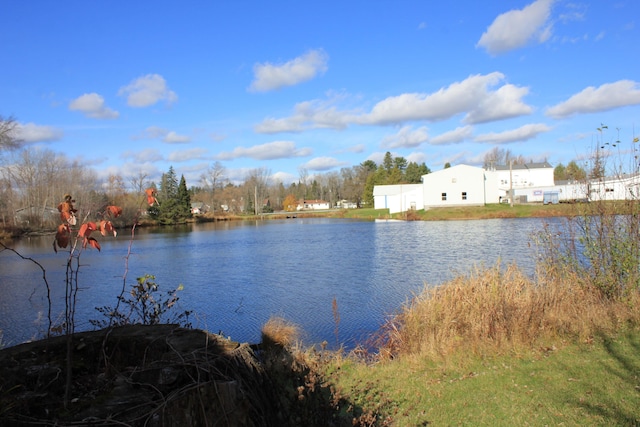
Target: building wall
(527, 175)
(459, 185)
(398, 198)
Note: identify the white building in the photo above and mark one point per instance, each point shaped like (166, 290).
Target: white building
(398, 198)
(464, 185)
(460, 185)
(306, 205)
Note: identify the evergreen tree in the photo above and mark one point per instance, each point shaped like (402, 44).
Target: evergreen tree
(413, 173)
(184, 200)
(174, 200)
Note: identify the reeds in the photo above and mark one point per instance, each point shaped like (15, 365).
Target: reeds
(499, 310)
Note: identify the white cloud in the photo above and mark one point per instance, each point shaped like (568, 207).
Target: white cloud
(323, 164)
(283, 177)
(271, 77)
(471, 95)
(313, 114)
(417, 157)
(147, 90)
(522, 133)
(592, 100)
(173, 138)
(167, 136)
(502, 104)
(474, 96)
(92, 105)
(185, 155)
(406, 137)
(268, 151)
(455, 136)
(516, 28)
(148, 155)
(30, 132)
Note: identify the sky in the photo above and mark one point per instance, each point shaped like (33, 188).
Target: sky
(310, 87)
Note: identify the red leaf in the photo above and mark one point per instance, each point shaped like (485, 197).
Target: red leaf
(114, 211)
(93, 242)
(106, 227)
(86, 229)
(62, 237)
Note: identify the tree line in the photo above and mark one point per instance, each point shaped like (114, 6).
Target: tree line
(32, 180)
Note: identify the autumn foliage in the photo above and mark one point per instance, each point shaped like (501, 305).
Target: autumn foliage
(67, 215)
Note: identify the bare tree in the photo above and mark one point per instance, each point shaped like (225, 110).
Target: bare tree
(256, 189)
(213, 180)
(139, 182)
(39, 179)
(8, 134)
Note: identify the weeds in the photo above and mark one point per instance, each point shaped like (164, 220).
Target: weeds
(146, 305)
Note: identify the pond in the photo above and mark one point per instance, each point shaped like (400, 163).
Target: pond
(238, 274)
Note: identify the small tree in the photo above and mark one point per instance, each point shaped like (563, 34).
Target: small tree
(290, 203)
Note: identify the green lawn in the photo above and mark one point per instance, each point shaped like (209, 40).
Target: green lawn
(595, 384)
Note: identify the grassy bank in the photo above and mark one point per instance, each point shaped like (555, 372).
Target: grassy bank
(497, 348)
(593, 383)
(490, 211)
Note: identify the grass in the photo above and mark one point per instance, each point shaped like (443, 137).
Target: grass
(497, 348)
(489, 211)
(593, 383)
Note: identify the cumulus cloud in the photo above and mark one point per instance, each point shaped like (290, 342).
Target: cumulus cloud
(307, 115)
(269, 76)
(522, 133)
(406, 137)
(592, 100)
(30, 133)
(323, 164)
(479, 98)
(455, 136)
(472, 95)
(173, 138)
(516, 28)
(147, 90)
(268, 151)
(185, 155)
(92, 105)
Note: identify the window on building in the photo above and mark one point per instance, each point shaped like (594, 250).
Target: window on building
(444, 196)
(464, 195)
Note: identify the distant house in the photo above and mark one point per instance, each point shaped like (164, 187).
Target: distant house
(199, 208)
(304, 205)
(346, 204)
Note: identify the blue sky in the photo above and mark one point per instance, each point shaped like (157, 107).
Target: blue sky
(131, 87)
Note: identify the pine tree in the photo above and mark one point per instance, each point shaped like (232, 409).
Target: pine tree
(184, 200)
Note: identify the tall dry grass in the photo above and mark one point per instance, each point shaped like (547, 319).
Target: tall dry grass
(498, 310)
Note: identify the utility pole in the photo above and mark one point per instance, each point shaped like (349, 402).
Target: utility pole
(511, 182)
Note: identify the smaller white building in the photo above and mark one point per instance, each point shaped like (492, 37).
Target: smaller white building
(398, 198)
